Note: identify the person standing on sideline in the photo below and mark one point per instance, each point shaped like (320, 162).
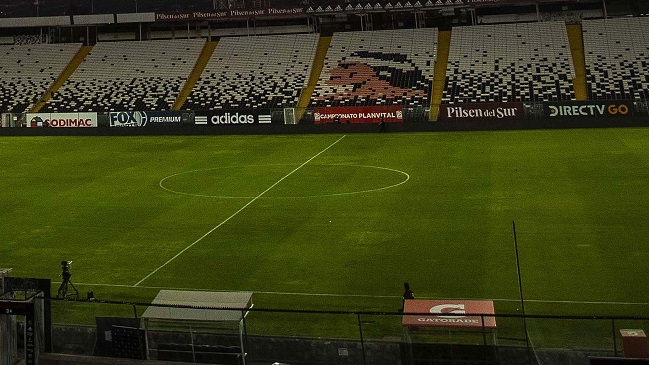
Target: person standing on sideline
(407, 294)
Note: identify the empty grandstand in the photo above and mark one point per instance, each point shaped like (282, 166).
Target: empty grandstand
(616, 58)
(27, 71)
(509, 62)
(392, 67)
(129, 76)
(255, 72)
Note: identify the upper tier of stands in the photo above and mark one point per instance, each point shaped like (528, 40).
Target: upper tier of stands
(509, 62)
(389, 67)
(617, 54)
(255, 72)
(26, 72)
(129, 76)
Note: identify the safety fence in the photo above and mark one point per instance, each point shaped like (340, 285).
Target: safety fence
(252, 335)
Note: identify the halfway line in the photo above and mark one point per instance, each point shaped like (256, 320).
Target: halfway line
(237, 212)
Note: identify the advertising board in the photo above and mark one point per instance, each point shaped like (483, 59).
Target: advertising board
(481, 111)
(595, 109)
(168, 118)
(360, 114)
(233, 117)
(231, 14)
(62, 120)
(449, 313)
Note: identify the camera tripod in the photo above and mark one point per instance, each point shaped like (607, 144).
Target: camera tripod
(63, 289)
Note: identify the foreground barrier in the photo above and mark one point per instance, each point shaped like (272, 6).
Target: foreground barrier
(344, 337)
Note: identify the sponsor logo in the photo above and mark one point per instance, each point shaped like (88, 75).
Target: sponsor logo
(127, 119)
(236, 118)
(200, 119)
(448, 308)
(368, 114)
(142, 119)
(38, 122)
(441, 309)
(460, 112)
(264, 119)
(228, 14)
(588, 110)
(63, 120)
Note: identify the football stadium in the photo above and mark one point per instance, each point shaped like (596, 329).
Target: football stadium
(324, 182)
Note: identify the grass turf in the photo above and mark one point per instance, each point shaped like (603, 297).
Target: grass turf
(357, 220)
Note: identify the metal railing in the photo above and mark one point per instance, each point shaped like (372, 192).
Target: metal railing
(352, 337)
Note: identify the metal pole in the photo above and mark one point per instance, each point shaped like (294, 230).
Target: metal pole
(360, 330)
(243, 336)
(484, 339)
(614, 341)
(520, 288)
(605, 10)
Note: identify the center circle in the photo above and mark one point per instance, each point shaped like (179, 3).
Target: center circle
(308, 181)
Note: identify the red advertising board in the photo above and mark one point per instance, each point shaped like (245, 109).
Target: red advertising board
(449, 313)
(358, 114)
(481, 111)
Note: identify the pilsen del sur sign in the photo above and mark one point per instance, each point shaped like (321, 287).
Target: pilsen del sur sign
(231, 14)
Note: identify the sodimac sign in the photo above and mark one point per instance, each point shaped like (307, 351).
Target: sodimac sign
(449, 313)
(481, 111)
(62, 120)
(365, 114)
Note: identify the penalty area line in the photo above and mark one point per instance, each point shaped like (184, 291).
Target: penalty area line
(236, 213)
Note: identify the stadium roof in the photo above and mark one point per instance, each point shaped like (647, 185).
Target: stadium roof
(199, 306)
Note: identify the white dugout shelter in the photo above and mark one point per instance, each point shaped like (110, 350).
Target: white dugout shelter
(193, 313)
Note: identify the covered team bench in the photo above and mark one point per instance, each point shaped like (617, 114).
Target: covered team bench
(449, 330)
(193, 326)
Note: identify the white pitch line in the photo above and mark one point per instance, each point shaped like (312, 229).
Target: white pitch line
(237, 212)
(363, 295)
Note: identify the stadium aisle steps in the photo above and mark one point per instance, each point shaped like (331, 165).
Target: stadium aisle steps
(201, 63)
(576, 39)
(316, 69)
(63, 77)
(439, 78)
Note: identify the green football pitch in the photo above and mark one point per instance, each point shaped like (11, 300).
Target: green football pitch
(338, 222)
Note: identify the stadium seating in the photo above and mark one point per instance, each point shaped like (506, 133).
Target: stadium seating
(26, 72)
(255, 72)
(509, 62)
(389, 67)
(617, 53)
(129, 76)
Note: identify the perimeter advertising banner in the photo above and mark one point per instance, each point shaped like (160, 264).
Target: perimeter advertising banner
(364, 114)
(168, 118)
(268, 13)
(481, 111)
(594, 109)
(62, 120)
(233, 117)
(449, 313)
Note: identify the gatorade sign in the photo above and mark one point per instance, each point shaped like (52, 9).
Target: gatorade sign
(597, 109)
(449, 313)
